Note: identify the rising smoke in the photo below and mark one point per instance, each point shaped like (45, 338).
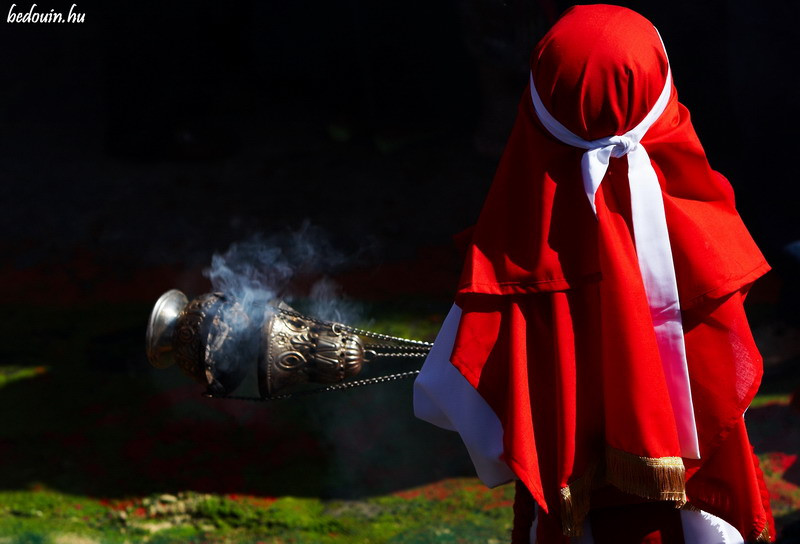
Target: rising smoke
(262, 271)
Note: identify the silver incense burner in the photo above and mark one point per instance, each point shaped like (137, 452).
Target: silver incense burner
(215, 342)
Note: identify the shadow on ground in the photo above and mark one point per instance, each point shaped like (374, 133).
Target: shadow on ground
(86, 414)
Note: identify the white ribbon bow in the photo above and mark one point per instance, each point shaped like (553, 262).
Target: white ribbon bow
(652, 246)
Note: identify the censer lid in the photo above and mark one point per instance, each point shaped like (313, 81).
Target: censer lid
(161, 326)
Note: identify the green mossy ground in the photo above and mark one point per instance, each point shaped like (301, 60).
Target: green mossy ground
(450, 511)
(97, 447)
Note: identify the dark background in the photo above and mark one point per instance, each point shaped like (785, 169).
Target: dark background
(156, 133)
(135, 145)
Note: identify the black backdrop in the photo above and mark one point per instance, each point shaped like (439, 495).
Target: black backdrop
(138, 143)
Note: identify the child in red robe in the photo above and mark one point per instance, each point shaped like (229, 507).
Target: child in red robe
(598, 352)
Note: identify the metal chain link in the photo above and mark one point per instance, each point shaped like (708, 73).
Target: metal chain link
(361, 332)
(401, 354)
(421, 349)
(337, 387)
(407, 349)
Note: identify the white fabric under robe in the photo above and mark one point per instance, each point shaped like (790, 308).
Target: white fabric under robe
(443, 397)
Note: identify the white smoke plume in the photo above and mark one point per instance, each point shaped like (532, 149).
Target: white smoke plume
(262, 271)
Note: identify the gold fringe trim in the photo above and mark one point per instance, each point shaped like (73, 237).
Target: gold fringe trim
(575, 503)
(764, 536)
(655, 478)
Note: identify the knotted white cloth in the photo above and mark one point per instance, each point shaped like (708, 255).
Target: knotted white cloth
(652, 246)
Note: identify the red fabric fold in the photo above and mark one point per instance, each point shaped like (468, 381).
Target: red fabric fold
(536, 231)
(556, 332)
(552, 376)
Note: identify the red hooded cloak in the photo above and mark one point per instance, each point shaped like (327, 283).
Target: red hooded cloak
(556, 334)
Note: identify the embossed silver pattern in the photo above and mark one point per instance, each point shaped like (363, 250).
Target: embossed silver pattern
(296, 350)
(213, 341)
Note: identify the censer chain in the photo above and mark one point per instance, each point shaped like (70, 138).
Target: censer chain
(408, 343)
(387, 346)
(330, 388)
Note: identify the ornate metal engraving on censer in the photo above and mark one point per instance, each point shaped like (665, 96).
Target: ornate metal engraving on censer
(214, 341)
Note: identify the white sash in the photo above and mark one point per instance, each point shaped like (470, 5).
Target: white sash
(652, 246)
